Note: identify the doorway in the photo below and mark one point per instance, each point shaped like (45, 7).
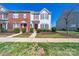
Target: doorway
(0, 25)
(23, 25)
(36, 26)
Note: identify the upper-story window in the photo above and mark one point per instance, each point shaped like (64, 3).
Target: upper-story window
(36, 16)
(44, 16)
(3, 16)
(15, 15)
(24, 16)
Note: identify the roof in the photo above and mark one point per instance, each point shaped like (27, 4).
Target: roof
(14, 11)
(44, 9)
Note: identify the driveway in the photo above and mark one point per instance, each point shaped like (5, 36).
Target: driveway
(8, 39)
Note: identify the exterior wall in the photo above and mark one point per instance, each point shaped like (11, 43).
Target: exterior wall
(3, 20)
(19, 20)
(41, 21)
(12, 22)
(45, 21)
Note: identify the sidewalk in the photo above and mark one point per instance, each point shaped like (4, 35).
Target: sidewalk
(33, 35)
(8, 39)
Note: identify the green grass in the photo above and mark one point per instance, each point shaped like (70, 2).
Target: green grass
(70, 32)
(24, 35)
(31, 49)
(54, 35)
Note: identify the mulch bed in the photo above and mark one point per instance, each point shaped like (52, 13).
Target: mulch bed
(47, 33)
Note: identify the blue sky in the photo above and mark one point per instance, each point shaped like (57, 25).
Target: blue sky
(56, 9)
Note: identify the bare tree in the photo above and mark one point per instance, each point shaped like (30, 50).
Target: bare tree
(66, 18)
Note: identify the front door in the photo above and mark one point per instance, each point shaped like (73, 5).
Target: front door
(36, 26)
(0, 25)
(23, 25)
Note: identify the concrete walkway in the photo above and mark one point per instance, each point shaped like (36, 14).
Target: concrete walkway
(33, 35)
(8, 39)
(15, 34)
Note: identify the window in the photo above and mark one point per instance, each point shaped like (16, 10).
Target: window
(15, 15)
(44, 16)
(16, 25)
(2, 16)
(42, 26)
(24, 15)
(46, 26)
(36, 16)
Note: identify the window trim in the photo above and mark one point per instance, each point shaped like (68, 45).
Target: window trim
(44, 16)
(15, 15)
(24, 15)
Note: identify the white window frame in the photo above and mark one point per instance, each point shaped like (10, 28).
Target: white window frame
(2, 16)
(44, 16)
(15, 15)
(16, 25)
(24, 16)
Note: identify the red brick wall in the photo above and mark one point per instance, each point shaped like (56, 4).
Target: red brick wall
(12, 20)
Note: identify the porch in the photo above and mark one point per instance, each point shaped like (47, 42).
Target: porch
(35, 24)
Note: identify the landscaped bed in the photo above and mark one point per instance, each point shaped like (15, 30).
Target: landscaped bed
(6, 34)
(24, 35)
(49, 49)
(49, 35)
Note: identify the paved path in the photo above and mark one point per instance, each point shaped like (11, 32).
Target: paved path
(33, 35)
(8, 39)
(15, 34)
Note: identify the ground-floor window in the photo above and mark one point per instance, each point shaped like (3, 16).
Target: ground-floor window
(16, 25)
(44, 26)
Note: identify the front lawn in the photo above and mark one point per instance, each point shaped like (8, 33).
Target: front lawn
(24, 35)
(53, 35)
(33, 49)
(69, 32)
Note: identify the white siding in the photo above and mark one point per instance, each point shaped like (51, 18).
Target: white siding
(42, 21)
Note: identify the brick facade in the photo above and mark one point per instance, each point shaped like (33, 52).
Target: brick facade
(11, 19)
(19, 20)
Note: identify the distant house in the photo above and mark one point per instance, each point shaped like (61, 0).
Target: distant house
(73, 21)
(11, 19)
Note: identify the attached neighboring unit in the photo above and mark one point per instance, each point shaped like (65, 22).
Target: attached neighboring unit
(11, 19)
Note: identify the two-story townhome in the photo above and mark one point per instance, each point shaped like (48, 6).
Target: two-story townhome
(41, 20)
(11, 19)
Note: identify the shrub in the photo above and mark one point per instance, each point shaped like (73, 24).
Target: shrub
(77, 29)
(23, 30)
(63, 29)
(53, 29)
(48, 30)
(2, 29)
(31, 30)
(38, 30)
(16, 30)
(44, 30)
